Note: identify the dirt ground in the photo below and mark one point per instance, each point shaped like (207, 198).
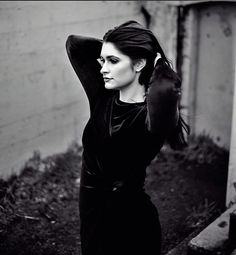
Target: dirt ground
(39, 208)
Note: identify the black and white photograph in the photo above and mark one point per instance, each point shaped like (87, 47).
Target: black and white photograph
(118, 127)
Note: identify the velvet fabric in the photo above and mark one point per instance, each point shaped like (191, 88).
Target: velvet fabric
(119, 142)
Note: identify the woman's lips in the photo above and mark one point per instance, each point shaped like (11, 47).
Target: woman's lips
(107, 79)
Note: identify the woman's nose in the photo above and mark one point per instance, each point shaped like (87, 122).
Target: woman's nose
(104, 69)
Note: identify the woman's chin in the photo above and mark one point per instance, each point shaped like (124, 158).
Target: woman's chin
(109, 85)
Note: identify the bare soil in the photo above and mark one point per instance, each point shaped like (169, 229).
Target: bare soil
(39, 207)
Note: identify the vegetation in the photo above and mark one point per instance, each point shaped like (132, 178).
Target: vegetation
(39, 207)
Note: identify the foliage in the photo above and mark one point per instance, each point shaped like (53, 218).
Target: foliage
(39, 207)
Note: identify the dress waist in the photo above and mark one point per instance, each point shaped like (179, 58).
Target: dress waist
(91, 181)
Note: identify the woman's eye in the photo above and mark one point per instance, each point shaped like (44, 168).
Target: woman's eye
(100, 61)
(114, 61)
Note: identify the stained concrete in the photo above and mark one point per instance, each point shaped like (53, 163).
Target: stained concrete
(42, 104)
(214, 239)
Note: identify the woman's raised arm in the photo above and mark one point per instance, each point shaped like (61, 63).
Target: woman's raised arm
(163, 98)
(83, 53)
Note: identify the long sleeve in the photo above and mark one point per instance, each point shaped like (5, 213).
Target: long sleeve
(163, 96)
(83, 53)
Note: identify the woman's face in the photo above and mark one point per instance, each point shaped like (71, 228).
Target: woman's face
(117, 69)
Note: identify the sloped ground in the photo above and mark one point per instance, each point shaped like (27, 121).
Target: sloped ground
(188, 187)
(39, 208)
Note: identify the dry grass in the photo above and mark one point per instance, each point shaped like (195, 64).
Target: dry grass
(39, 208)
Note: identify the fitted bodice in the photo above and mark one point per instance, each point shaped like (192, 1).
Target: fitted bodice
(117, 144)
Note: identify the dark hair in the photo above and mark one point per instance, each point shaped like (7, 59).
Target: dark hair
(136, 41)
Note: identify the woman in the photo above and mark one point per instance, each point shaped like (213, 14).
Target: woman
(134, 109)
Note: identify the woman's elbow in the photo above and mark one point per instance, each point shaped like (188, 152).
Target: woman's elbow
(69, 42)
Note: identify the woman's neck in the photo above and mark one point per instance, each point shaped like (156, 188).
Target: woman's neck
(133, 94)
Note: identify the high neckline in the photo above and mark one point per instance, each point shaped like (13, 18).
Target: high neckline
(119, 102)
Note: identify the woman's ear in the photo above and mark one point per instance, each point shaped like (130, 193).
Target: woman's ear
(140, 64)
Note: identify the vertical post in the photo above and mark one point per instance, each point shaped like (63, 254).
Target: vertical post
(231, 184)
(189, 65)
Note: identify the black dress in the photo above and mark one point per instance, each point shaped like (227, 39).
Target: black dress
(117, 216)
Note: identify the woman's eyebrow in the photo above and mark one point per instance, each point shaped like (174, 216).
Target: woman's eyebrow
(109, 56)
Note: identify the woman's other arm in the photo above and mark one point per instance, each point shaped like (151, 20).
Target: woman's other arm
(163, 106)
(83, 53)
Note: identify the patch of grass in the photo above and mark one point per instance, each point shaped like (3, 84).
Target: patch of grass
(39, 207)
(202, 214)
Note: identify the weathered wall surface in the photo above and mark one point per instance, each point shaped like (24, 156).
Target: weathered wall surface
(163, 23)
(208, 69)
(231, 184)
(42, 105)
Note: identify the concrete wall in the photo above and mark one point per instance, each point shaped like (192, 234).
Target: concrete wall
(42, 105)
(208, 69)
(163, 23)
(231, 185)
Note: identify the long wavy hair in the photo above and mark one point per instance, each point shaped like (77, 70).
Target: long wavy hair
(136, 41)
